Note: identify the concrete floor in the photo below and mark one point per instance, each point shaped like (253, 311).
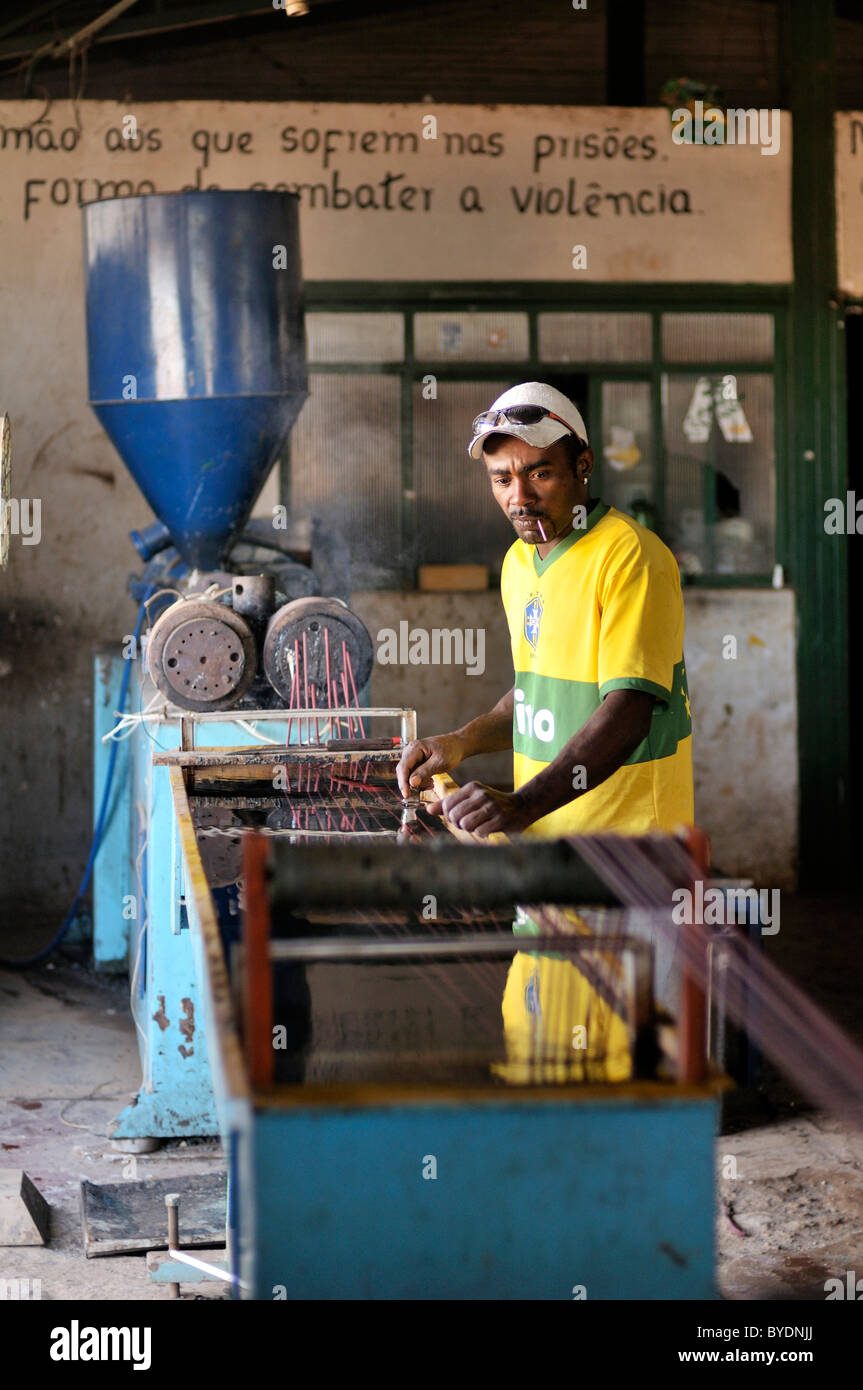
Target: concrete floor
(791, 1218)
(798, 1194)
(68, 1065)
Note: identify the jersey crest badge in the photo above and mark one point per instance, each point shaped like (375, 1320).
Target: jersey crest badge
(532, 620)
(531, 995)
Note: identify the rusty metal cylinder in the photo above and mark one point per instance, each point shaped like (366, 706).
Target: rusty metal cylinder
(305, 651)
(387, 876)
(201, 655)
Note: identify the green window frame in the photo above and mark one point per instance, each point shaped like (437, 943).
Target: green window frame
(410, 299)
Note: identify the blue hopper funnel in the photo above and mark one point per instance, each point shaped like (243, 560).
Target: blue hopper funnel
(195, 350)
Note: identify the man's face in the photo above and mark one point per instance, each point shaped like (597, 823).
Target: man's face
(538, 485)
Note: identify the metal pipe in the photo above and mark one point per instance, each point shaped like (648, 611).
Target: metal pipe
(385, 876)
(151, 540)
(172, 1202)
(83, 36)
(407, 716)
(441, 948)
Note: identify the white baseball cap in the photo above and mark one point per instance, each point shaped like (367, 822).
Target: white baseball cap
(559, 417)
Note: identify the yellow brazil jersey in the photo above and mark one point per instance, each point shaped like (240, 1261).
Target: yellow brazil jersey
(603, 611)
(560, 1025)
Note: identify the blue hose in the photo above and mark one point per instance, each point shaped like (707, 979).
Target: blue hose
(8, 964)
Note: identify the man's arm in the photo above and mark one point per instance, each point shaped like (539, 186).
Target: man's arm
(601, 746)
(488, 733)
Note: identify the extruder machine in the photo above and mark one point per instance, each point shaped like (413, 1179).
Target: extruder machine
(197, 373)
(439, 1069)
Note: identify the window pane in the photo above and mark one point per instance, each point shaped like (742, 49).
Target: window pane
(711, 337)
(458, 520)
(488, 337)
(345, 468)
(355, 337)
(720, 472)
(594, 337)
(626, 457)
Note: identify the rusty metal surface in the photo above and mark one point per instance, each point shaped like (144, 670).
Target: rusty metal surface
(124, 1217)
(254, 595)
(229, 1077)
(318, 644)
(222, 852)
(272, 755)
(201, 655)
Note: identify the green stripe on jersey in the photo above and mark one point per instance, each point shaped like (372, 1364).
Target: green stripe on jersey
(548, 711)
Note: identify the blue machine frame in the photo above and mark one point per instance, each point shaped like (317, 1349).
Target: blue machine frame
(542, 1192)
(561, 1196)
(552, 1192)
(141, 922)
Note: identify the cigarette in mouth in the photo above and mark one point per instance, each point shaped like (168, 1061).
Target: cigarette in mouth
(541, 529)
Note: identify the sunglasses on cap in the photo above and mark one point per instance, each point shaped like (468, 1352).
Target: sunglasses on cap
(518, 415)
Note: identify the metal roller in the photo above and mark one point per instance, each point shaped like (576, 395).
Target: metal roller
(201, 655)
(312, 636)
(389, 876)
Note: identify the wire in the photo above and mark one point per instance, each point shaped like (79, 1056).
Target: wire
(158, 594)
(76, 1100)
(128, 723)
(5, 961)
(250, 729)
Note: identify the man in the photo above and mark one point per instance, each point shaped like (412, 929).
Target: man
(598, 716)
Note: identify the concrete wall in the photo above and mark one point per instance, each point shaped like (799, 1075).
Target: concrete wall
(444, 696)
(744, 712)
(59, 600)
(744, 708)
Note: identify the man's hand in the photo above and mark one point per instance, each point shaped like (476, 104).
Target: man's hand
(488, 733)
(482, 810)
(424, 756)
